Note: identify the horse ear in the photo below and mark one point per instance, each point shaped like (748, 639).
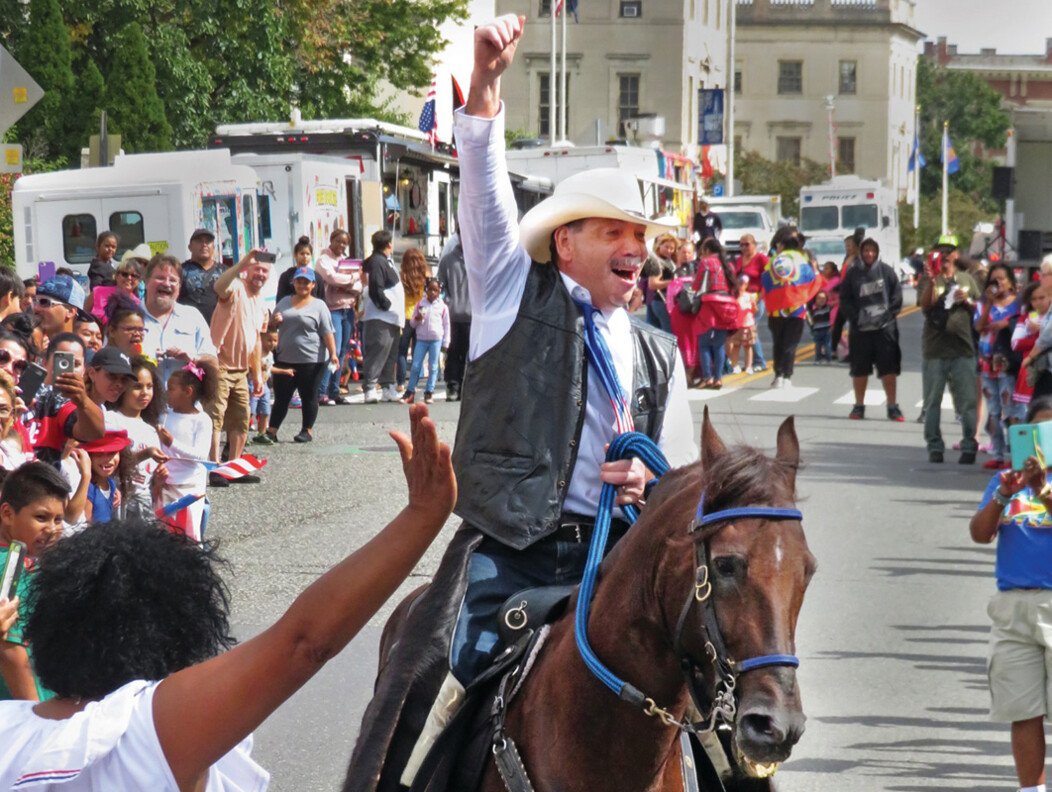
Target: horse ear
(711, 444)
(788, 446)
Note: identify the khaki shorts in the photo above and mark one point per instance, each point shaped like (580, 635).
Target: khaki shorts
(230, 410)
(1020, 654)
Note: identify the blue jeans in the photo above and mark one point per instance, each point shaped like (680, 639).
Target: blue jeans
(757, 348)
(712, 353)
(343, 329)
(657, 314)
(431, 350)
(495, 572)
(823, 338)
(405, 343)
(998, 389)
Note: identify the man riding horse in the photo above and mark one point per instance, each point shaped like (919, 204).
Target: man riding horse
(557, 368)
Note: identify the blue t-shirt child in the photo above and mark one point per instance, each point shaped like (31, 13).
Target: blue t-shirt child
(1024, 540)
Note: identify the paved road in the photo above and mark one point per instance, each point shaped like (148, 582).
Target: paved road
(893, 631)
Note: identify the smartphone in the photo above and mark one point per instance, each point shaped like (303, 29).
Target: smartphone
(62, 363)
(266, 258)
(12, 570)
(1026, 440)
(31, 380)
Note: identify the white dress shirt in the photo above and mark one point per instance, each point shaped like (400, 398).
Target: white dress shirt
(497, 267)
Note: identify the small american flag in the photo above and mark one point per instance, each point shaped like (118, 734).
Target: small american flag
(573, 9)
(428, 121)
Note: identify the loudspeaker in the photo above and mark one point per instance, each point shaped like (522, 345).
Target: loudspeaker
(1030, 245)
(1002, 184)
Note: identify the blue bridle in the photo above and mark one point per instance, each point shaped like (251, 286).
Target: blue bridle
(634, 444)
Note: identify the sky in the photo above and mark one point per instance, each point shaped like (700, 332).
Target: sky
(1011, 26)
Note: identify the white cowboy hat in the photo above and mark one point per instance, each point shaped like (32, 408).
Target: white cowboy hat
(602, 192)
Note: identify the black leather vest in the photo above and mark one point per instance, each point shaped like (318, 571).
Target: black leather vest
(523, 409)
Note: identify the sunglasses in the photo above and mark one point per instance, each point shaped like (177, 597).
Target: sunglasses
(7, 358)
(129, 275)
(46, 302)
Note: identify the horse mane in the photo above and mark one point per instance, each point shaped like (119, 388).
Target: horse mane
(744, 475)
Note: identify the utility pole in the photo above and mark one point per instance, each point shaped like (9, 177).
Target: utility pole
(732, 70)
(830, 106)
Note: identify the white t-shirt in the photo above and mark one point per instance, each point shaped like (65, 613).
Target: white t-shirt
(142, 436)
(110, 745)
(191, 442)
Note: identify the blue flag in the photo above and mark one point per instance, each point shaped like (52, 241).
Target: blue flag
(949, 156)
(916, 158)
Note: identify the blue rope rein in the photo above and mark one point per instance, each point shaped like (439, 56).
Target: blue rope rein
(629, 444)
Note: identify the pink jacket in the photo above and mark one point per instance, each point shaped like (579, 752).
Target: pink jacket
(431, 320)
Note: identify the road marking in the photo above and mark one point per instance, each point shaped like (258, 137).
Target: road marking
(947, 402)
(695, 394)
(784, 395)
(874, 398)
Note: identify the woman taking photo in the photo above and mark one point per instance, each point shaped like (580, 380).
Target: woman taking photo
(129, 627)
(1016, 510)
(306, 346)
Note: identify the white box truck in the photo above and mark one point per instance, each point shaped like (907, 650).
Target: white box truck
(758, 215)
(832, 211)
(154, 198)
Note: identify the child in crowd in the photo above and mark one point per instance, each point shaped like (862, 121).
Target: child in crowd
(1036, 300)
(103, 490)
(138, 412)
(259, 406)
(186, 438)
(820, 315)
(32, 504)
(745, 336)
(431, 321)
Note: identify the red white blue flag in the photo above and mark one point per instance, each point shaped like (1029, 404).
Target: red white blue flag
(428, 120)
(176, 515)
(236, 468)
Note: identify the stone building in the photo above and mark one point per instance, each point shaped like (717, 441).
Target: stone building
(625, 59)
(794, 57)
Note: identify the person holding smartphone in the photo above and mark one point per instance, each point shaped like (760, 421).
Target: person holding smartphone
(1016, 511)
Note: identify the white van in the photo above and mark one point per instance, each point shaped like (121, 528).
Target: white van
(832, 211)
(757, 215)
(158, 199)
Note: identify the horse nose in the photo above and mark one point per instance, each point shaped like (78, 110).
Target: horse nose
(768, 736)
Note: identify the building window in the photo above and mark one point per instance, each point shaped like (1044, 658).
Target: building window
(631, 9)
(545, 9)
(790, 77)
(545, 103)
(737, 142)
(788, 150)
(845, 154)
(848, 81)
(627, 99)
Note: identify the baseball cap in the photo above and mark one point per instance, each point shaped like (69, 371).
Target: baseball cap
(63, 289)
(947, 240)
(202, 232)
(304, 272)
(112, 360)
(114, 440)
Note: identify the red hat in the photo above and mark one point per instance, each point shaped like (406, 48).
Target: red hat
(109, 443)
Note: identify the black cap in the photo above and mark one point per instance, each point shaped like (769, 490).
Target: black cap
(112, 360)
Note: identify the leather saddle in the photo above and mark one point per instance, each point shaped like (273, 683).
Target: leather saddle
(531, 608)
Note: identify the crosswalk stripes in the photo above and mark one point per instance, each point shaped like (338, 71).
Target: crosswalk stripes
(874, 398)
(784, 395)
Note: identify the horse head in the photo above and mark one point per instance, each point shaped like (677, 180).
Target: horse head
(747, 574)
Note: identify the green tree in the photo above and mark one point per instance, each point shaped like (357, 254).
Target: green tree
(964, 213)
(975, 116)
(132, 105)
(44, 51)
(85, 104)
(760, 176)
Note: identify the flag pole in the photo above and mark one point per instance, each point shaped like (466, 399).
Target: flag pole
(916, 167)
(551, 80)
(945, 177)
(562, 78)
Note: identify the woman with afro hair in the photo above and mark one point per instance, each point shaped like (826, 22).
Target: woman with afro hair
(128, 624)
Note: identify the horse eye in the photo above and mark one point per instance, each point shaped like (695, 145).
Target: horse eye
(728, 566)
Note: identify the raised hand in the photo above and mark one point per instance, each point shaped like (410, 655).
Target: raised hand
(495, 45)
(427, 466)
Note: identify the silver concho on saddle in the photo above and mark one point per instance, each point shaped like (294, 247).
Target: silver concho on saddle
(530, 608)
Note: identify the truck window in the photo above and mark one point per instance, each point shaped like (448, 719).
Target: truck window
(735, 221)
(78, 238)
(248, 216)
(819, 218)
(861, 215)
(264, 218)
(128, 228)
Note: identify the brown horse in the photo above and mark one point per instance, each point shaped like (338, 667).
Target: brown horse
(574, 733)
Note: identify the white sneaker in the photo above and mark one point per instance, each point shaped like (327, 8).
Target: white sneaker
(758, 369)
(390, 394)
(786, 383)
(736, 370)
(776, 382)
(371, 395)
